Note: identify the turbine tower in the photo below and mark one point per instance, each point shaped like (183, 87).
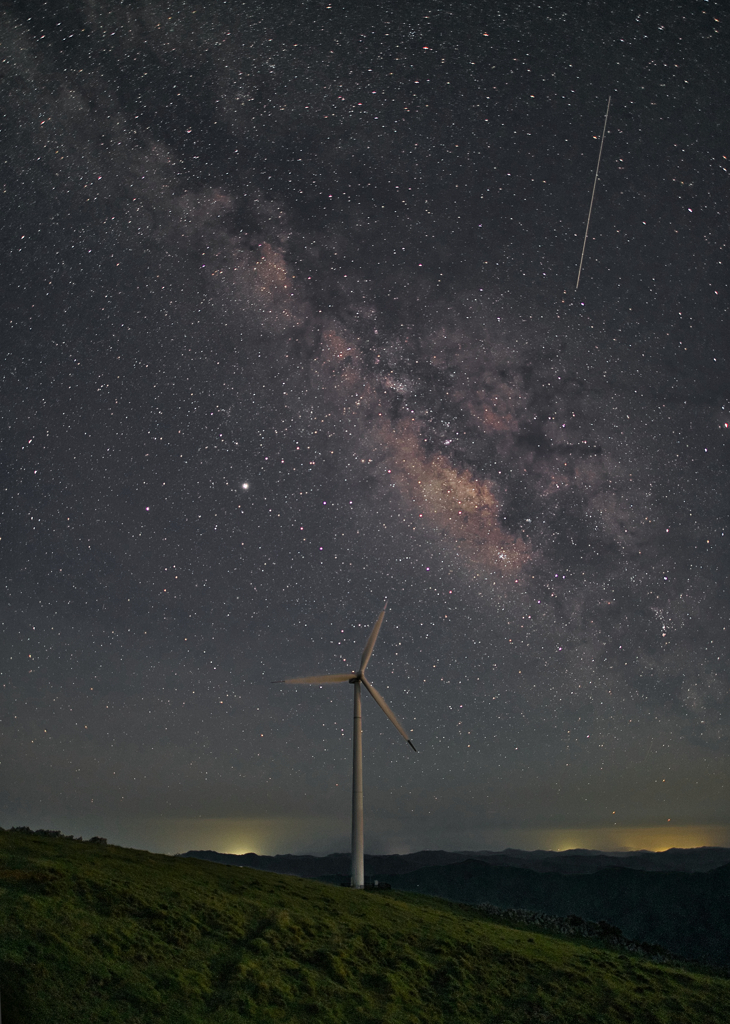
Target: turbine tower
(356, 678)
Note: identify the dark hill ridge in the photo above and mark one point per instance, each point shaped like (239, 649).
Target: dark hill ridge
(333, 864)
(687, 913)
(583, 862)
(567, 862)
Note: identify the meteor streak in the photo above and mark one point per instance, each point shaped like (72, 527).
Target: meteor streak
(593, 194)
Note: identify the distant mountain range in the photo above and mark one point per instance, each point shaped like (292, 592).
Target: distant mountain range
(678, 899)
(567, 862)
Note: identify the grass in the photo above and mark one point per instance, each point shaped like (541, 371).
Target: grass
(102, 934)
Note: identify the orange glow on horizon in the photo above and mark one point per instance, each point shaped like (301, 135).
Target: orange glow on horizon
(296, 835)
(617, 839)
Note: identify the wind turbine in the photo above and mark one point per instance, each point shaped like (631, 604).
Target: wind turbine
(356, 678)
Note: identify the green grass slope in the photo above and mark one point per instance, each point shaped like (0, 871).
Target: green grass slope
(103, 934)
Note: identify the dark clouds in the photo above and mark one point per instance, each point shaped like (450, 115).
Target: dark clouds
(332, 255)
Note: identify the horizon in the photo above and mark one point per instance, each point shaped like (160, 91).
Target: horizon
(346, 853)
(318, 836)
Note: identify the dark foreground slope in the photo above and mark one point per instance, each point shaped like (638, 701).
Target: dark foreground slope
(103, 934)
(687, 914)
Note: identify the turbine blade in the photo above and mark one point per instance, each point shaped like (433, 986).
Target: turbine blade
(379, 701)
(343, 678)
(371, 640)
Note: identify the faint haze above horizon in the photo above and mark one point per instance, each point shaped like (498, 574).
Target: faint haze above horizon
(323, 836)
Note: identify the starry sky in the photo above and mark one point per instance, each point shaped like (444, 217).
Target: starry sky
(289, 326)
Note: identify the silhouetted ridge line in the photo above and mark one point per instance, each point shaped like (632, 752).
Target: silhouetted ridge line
(566, 862)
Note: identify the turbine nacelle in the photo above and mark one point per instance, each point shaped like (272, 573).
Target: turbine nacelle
(357, 677)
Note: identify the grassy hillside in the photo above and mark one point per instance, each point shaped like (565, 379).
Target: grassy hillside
(101, 934)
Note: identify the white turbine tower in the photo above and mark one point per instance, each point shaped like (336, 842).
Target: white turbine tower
(358, 849)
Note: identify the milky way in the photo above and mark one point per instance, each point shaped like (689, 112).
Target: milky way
(290, 326)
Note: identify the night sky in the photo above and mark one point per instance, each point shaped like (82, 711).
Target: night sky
(289, 326)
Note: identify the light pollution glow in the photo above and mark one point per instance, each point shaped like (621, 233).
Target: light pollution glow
(322, 835)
